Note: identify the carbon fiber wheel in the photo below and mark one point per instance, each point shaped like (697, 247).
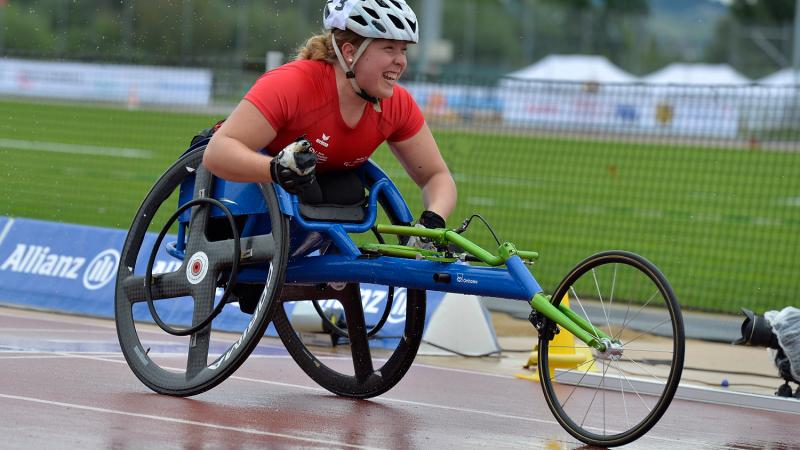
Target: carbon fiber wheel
(186, 285)
(359, 374)
(362, 372)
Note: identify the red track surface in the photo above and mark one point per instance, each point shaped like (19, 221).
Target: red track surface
(64, 384)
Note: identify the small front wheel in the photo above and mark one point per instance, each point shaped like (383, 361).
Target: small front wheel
(615, 396)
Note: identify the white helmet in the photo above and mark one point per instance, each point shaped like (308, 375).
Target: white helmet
(379, 19)
(371, 19)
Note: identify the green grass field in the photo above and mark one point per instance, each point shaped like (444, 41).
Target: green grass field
(723, 224)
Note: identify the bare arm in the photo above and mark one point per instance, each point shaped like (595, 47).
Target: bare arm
(233, 154)
(420, 157)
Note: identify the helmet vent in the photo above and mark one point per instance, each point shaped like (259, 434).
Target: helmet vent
(379, 26)
(360, 20)
(327, 12)
(381, 3)
(396, 3)
(372, 13)
(413, 26)
(397, 22)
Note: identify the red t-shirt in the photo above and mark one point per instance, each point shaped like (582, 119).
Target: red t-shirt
(300, 98)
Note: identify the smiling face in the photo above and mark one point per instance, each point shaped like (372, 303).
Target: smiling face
(381, 65)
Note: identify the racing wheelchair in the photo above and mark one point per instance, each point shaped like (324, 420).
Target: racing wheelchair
(253, 253)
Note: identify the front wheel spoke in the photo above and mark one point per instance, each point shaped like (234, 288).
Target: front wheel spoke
(588, 363)
(639, 311)
(163, 286)
(628, 350)
(577, 385)
(596, 390)
(594, 331)
(622, 391)
(644, 333)
(600, 296)
(634, 390)
(644, 369)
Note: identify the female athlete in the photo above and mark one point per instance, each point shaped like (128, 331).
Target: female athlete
(340, 95)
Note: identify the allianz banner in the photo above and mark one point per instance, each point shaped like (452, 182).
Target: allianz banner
(72, 268)
(61, 267)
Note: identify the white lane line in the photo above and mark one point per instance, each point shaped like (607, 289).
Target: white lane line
(3, 357)
(76, 149)
(471, 372)
(696, 444)
(405, 402)
(182, 421)
(6, 229)
(383, 399)
(449, 408)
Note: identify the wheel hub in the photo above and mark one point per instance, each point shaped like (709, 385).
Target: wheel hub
(197, 268)
(613, 351)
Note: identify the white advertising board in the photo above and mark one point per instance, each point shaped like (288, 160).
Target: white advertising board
(105, 82)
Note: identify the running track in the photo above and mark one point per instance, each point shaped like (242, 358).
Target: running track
(64, 384)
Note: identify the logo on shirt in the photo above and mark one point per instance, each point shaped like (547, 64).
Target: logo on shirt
(356, 162)
(324, 141)
(321, 157)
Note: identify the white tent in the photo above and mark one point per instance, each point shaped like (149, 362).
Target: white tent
(697, 74)
(564, 90)
(781, 77)
(580, 68)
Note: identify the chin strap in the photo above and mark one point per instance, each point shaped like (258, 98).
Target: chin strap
(351, 75)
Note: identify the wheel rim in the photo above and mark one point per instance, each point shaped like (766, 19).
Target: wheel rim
(192, 364)
(616, 396)
(357, 371)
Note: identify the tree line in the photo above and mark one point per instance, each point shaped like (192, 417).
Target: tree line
(487, 36)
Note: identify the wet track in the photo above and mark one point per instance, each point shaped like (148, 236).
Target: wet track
(64, 384)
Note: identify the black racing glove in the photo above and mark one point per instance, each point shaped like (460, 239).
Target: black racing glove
(293, 167)
(428, 219)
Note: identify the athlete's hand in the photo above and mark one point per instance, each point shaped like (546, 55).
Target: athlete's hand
(293, 167)
(428, 219)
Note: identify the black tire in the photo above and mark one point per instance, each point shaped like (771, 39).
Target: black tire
(202, 368)
(366, 381)
(616, 397)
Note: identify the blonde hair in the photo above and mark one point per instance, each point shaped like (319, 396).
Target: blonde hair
(320, 46)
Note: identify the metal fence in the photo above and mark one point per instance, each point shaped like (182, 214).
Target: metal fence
(702, 180)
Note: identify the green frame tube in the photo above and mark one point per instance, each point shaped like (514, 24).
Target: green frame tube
(561, 315)
(443, 236)
(541, 303)
(583, 323)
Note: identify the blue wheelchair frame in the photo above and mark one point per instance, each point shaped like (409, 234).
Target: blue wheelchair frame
(349, 264)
